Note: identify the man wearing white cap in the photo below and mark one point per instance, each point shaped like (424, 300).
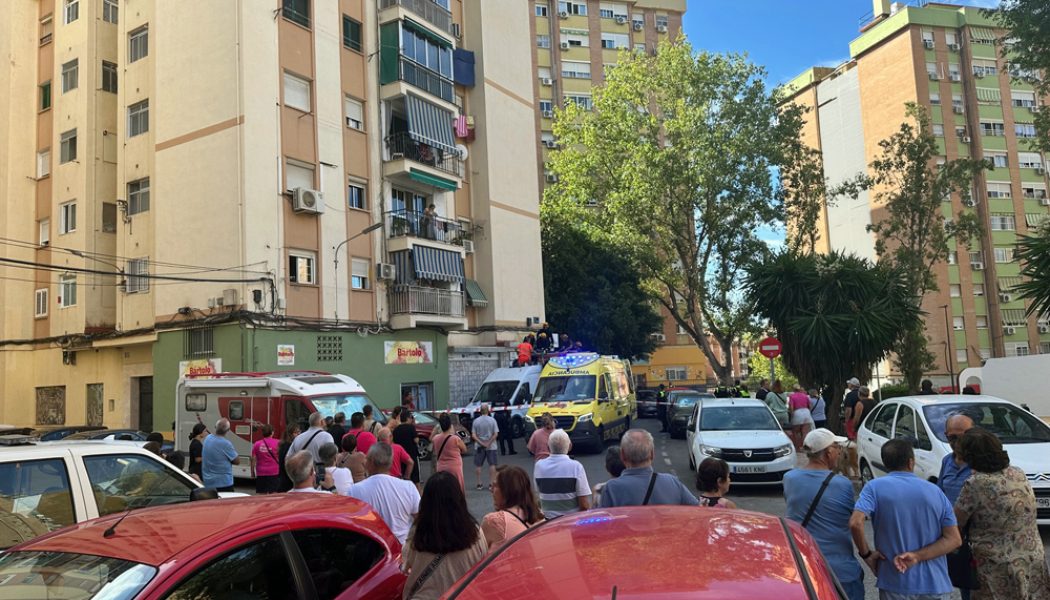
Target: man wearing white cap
(849, 403)
(823, 502)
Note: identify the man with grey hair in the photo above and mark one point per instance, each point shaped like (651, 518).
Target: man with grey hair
(302, 471)
(396, 500)
(485, 430)
(639, 484)
(313, 438)
(218, 457)
(561, 481)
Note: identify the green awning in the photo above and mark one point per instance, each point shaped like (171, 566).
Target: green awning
(475, 296)
(433, 180)
(430, 35)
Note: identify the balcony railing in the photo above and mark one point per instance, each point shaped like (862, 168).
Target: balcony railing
(431, 12)
(401, 145)
(425, 79)
(411, 299)
(416, 224)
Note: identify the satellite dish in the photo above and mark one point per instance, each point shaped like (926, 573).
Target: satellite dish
(462, 151)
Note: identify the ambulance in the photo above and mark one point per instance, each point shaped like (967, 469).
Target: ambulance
(251, 400)
(590, 396)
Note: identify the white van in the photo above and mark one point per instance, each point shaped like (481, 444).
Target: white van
(504, 389)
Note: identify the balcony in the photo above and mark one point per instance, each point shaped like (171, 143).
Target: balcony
(409, 223)
(413, 306)
(430, 11)
(404, 154)
(432, 82)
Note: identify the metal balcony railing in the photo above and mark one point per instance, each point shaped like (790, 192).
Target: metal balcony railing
(412, 299)
(401, 145)
(416, 224)
(425, 79)
(431, 12)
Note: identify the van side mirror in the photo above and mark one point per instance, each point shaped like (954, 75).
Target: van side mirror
(603, 396)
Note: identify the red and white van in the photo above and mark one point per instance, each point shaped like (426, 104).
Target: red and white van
(251, 400)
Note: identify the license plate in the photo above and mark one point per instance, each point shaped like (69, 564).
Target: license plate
(1042, 502)
(749, 469)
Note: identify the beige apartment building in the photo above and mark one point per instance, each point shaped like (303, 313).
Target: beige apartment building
(328, 185)
(949, 59)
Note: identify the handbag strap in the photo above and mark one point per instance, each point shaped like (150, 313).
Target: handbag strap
(427, 572)
(437, 456)
(518, 518)
(816, 499)
(649, 492)
(306, 446)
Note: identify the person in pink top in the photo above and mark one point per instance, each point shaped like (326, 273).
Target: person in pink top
(264, 464)
(448, 449)
(801, 418)
(364, 438)
(402, 464)
(538, 442)
(516, 506)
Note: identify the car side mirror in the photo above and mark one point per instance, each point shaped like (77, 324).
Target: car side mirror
(204, 493)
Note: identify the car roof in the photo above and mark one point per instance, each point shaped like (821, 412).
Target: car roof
(715, 402)
(159, 534)
(84, 446)
(951, 399)
(674, 551)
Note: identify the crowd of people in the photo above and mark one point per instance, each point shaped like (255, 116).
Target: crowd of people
(535, 347)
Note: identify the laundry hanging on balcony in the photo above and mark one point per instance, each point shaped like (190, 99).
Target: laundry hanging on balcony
(430, 124)
(433, 264)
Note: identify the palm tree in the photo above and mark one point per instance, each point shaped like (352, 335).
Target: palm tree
(1033, 251)
(835, 314)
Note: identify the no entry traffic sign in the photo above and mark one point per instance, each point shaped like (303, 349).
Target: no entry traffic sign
(770, 347)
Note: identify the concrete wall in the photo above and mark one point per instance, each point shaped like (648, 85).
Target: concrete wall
(469, 366)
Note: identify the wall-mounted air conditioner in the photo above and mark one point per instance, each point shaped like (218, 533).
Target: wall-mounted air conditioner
(1008, 330)
(468, 246)
(386, 271)
(305, 200)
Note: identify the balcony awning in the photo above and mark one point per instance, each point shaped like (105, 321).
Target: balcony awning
(427, 33)
(981, 33)
(475, 296)
(430, 124)
(403, 273)
(433, 264)
(432, 180)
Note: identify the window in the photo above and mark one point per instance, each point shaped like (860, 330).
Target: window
(927, 35)
(541, 9)
(661, 21)
(992, 128)
(43, 163)
(933, 70)
(999, 160)
(47, 30)
(297, 11)
(1044, 347)
(359, 274)
(573, 8)
(123, 481)
(1033, 191)
(976, 257)
(543, 72)
(67, 289)
(138, 44)
(582, 101)
(110, 11)
(955, 290)
(70, 75)
(1016, 348)
(543, 41)
(605, 13)
(981, 321)
(958, 324)
(906, 426)
(40, 488)
(137, 275)
(675, 374)
(575, 70)
(938, 130)
(351, 34)
(296, 92)
(1024, 130)
(355, 196)
(40, 303)
(298, 174)
(953, 257)
(138, 196)
(43, 232)
(200, 342)
(882, 423)
(196, 402)
(1003, 222)
(260, 565)
(957, 102)
(1022, 99)
(420, 47)
(1004, 255)
(45, 95)
(109, 217)
(576, 40)
(67, 213)
(637, 21)
(301, 268)
(546, 106)
(72, 11)
(138, 118)
(984, 67)
(950, 38)
(1029, 160)
(935, 98)
(615, 41)
(109, 77)
(999, 189)
(355, 113)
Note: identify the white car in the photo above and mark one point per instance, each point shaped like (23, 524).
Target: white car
(44, 486)
(744, 433)
(921, 419)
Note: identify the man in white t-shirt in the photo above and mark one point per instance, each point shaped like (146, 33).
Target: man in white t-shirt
(562, 481)
(396, 500)
(313, 438)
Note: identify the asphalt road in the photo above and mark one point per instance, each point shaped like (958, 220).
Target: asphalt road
(671, 457)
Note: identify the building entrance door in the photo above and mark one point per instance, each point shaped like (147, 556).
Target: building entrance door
(145, 402)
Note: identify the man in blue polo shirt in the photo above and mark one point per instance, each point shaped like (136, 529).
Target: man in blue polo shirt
(914, 527)
(954, 473)
(639, 485)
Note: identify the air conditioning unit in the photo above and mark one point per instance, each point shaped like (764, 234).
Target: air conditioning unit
(563, 14)
(1009, 330)
(621, 20)
(1044, 329)
(977, 266)
(956, 77)
(548, 114)
(935, 76)
(386, 271)
(1040, 170)
(953, 47)
(638, 25)
(979, 74)
(547, 81)
(958, 109)
(552, 178)
(1044, 201)
(928, 44)
(305, 200)
(1004, 297)
(468, 246)
(658, 337)
(565, 45)
(230, 297)
(457, 30)
(970, 202)
(550, 144)
(965, 139)
(661, 28)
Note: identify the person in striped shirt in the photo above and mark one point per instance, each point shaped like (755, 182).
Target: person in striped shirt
(561, 481)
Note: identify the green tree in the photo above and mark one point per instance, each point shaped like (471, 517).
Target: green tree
(758, 369)
(804, 193)
(1033, 252)
(835, 314)
(672, 167)
(594, 293)
(1026, 47)
(913, 235)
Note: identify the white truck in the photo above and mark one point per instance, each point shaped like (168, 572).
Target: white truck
(251, 400)
(1019, 379)
(507, 389)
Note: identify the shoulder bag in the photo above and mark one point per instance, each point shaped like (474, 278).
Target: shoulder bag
(427, 572)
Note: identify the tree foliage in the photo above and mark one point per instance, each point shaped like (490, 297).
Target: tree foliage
(1033, 252)
(914, 234)
(835, 314)
(672, 167)
(804, 193)
(1027, 48)
(594, 293)
(758, 369)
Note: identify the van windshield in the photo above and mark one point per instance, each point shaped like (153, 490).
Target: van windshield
(565, 389)
(346, 404)
(496, 393)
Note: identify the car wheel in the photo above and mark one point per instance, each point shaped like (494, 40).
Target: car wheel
(866, 474)
(517, 427)
(424, 449)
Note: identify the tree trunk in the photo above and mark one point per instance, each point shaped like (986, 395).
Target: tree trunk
(832, 400)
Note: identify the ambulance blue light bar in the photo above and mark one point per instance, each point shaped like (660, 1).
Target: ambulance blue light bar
(573, 361)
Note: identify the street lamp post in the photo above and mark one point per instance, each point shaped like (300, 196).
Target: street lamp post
(337, 248)
(949, 346)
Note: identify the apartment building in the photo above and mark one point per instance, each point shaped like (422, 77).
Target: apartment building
(334, 185)
(949, 59)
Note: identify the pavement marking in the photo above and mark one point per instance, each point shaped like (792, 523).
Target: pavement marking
(663, 452)
(668, 461)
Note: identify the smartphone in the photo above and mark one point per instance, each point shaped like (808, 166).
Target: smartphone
(319, 473)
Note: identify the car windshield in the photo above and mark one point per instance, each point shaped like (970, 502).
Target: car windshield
(496, 393)
(686, 401)
(424, 419)
(347, 404)
(565, 389)
(737, 418)
(71, 576)
(1012, 424)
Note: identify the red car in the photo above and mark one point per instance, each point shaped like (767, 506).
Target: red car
(666, 552)
(281, 546)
